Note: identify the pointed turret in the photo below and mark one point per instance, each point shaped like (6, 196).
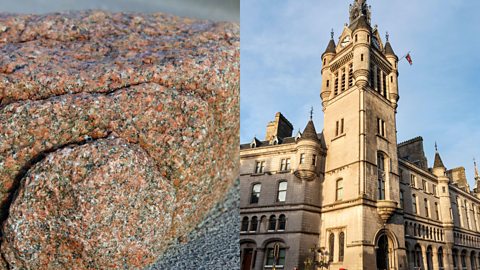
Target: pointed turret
(330, 47)
(308, 149)
(327, 57)
(309, 132)
(438, 163)
(389, 49)
(438, 167)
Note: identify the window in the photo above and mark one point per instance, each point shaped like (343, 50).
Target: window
(381, 128)
(381, 176)
(255, 193)
(253, 224)
(413, 180)
(335, 90)
(271, 257)
(440, 258)
(244, 227)
(259, 166)
(437, 214)
(339, 127)
(350, 75)
(285, 164)
(339, 193)
(424, 185)
(341, 244)
(272, 223)
(414, 203)
(402, 203)
(314, 160)
(331, 246)
(384, 85)
(455, 256)
(377, 81)
(282, 220)
(434, 189)
(427, 214)
(443, 189)
(302, 158)
(343, 79)
(328, 83)
(282, 191)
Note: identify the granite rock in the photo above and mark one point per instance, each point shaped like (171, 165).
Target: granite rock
(118, 132)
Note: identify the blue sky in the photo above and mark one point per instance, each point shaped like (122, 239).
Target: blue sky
(281, 47)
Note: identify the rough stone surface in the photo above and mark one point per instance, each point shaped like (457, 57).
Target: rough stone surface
(115, 99)
(214, 244)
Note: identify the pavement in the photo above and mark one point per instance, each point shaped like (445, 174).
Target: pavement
(213, 245)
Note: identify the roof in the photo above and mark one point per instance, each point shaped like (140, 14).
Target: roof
(360, 23)
(389, 49)
(331, 47)
(309, 132)
(438, 161)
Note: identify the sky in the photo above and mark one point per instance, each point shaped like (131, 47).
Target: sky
(281, 47)
(222, 10)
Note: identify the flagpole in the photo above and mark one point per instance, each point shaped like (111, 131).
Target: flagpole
(404, 56)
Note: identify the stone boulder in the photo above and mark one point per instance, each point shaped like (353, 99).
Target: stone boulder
(118, 132)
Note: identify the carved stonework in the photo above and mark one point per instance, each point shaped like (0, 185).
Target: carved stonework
(358, 8)
(385, 209)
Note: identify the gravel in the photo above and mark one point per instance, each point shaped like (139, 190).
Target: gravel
(214, 244)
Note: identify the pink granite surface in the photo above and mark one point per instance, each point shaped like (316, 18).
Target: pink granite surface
(118, 132)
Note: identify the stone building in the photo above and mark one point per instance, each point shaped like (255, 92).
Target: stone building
(351, 196)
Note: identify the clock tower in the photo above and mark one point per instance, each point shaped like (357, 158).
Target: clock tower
(359, 95)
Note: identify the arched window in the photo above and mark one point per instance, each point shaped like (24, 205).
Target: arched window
(440, 258)
(335, 90)
(254, 224)
(275, 255)
(343, 79)
(473, 264)
(282, 220)
(429, 258)
(244, 227)
(339, 190)
(255, 196)
(418, 256)
(381, 176)
(414, 203)
(455, 258)
(341, 244)
(464, 259)
(272, 223)
(331, 246)
(282, 191)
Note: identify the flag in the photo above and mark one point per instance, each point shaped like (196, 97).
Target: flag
(409, 59)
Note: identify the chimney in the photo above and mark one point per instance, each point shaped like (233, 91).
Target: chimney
(280, 127)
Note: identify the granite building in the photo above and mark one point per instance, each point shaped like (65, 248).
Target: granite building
(351, 197)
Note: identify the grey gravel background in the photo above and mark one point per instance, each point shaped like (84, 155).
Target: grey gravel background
(214, 244)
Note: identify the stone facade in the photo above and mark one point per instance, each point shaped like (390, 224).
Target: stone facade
(351, 196)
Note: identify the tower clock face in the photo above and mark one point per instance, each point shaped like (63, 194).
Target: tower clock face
(345, 41)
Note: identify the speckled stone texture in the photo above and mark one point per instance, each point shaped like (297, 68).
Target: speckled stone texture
(118, 133)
